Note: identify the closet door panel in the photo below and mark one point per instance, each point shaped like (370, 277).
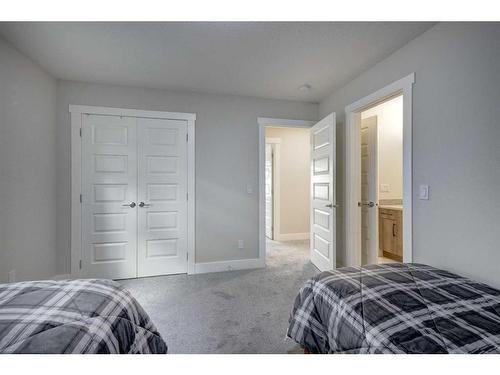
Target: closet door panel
(109, 187)
(162, 196)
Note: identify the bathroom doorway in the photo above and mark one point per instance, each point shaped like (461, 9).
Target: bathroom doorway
(382, 182)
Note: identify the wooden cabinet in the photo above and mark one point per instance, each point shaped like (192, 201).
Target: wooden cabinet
(398, 234)
(391, 233)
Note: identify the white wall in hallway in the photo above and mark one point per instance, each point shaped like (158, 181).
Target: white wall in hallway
(294, 178)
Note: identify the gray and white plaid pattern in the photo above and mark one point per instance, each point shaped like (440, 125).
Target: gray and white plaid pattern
(396, 308)
(74, 316)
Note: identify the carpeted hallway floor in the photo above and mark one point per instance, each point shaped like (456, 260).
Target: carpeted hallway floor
(228, 312)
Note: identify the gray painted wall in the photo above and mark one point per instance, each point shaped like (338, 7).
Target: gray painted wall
(226, 160)
(27, 168)
(456, 143)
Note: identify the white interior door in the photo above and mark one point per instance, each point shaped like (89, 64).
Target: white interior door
(162, 196)
(269, 171)
(369, 183)
(323, 203)
(109, 186)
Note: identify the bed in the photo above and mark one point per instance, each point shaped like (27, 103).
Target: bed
(395, 308)
(74, 316)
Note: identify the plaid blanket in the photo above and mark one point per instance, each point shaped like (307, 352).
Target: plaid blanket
(74, 316)
(396, 308)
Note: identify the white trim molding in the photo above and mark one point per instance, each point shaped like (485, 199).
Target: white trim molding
(229, 265)
(271, 123)
(273, 140)
(353, 111)
(88, 109)
(284, 123)
(76, 112)
(294, 236)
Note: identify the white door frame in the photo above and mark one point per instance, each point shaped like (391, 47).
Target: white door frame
(77, 111)
(268, 122)
(403, 87)
(276, 142)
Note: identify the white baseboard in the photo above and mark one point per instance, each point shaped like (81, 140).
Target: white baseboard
(293, 236)
(65, 276)
(230, 265)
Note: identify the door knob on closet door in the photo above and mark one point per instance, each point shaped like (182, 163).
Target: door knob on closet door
(142, 204)
(131, 205)
(331, 205)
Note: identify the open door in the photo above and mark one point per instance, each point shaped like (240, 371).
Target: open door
(269, 173)
(369, 183)
(323, 202)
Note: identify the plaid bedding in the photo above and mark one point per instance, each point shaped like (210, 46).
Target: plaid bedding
(396, 308)
(74, 316)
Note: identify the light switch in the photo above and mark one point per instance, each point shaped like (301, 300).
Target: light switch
(249, 189)
(423, 192)
(384, 188)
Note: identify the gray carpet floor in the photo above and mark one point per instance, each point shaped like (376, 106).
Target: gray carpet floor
(228, 312)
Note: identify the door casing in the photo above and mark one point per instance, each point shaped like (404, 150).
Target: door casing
(77, 111)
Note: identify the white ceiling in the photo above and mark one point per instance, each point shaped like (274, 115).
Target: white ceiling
(269, 60)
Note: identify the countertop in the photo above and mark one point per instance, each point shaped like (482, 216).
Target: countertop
(398, 207)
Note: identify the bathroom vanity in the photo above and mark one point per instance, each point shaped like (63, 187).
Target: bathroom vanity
(391, 231)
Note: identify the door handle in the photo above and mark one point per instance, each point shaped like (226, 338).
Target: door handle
(366, 204)
(331, 205)
(131, 205)
(142, 204)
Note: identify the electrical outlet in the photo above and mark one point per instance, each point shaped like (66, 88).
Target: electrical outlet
(241, 244)
(249, 189)
(12, 276)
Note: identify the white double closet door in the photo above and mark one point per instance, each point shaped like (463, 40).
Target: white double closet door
(134, 203)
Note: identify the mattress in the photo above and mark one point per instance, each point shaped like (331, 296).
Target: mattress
(395, 308)
(74, 316)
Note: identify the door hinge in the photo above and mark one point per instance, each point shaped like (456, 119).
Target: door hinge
(81, 198)
(80, 264)
(187, 256)
(187, 196)
(80, 132)
(187, 137)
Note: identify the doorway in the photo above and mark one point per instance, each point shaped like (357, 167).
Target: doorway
(287, 164)
(382, 182)
(297, 190)
(379, 205)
